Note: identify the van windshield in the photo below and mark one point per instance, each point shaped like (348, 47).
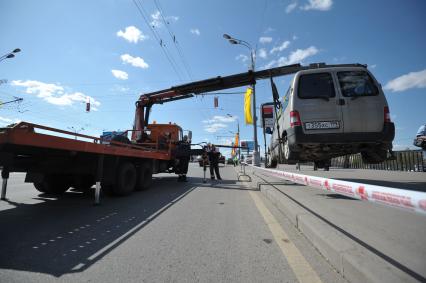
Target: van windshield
(316, 86)
(357, 83)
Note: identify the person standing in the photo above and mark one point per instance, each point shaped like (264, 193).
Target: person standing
(214, 162)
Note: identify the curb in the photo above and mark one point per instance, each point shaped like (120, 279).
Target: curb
(353, 261)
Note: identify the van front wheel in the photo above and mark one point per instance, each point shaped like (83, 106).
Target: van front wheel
(289, 156)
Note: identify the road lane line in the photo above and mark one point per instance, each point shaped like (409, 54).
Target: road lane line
(301, 268)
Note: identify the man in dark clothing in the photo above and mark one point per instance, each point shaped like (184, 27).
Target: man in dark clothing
(214, 162)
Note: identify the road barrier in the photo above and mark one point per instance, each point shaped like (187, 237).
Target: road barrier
(405, 160)
(406, 199)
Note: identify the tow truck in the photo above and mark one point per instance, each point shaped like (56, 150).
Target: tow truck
(55, 160)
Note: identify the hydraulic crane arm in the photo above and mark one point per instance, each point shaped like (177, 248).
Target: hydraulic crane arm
(145, 102)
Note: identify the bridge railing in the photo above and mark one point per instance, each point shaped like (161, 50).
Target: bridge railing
(406, 160)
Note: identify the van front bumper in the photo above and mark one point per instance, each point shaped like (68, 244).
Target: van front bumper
(296, 136)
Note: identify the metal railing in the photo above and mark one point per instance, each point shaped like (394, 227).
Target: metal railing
(406, 160)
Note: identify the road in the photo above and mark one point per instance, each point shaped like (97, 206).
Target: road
(220, 231)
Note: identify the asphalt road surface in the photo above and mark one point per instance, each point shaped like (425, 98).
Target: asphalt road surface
(219, 231)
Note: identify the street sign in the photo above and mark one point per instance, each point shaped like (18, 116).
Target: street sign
(268, 117)
(248, 144)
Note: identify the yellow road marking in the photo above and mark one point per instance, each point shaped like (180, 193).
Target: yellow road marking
(301, 268)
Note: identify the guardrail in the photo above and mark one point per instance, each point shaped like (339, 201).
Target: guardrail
(405, 199)
(406, 160)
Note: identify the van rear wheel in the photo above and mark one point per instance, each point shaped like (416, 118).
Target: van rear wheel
(289, 156)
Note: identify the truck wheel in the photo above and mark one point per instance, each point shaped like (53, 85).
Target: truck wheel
(53, 184)
(125, 180)
(144, 178)
(289, 155)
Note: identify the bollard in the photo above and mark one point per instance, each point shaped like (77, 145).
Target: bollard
(5, 177)
(97, 193)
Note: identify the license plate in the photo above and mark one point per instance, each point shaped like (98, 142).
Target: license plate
(322, 125)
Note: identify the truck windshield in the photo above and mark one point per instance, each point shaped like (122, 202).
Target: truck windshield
(357, 83)
(318, 85)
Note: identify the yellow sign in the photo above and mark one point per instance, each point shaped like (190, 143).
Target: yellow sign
(247, 106)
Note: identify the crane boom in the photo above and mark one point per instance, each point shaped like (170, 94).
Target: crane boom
(147, 100)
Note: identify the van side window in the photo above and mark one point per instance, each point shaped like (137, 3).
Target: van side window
(357, 83)
(319, 85)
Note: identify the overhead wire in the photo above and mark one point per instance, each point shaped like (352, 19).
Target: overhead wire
(143, 13)
(174, 39)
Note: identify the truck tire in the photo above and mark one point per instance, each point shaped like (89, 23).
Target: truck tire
(273, 163)
(144, 177)
(125, 179)
(290, 157)
(53, 184)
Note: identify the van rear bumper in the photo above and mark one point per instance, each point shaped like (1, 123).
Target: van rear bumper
(296, 136)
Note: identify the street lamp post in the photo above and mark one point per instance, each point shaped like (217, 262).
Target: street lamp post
(232, 40)
(10, 54)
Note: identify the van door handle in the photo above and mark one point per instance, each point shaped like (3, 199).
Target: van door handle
(341, 101)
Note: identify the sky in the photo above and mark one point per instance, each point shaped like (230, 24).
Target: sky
(110, 52)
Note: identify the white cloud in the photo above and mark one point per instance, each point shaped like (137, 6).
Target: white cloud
(295, 57)
(291, 7)
(54, 93)
(280, 48)
(134, 61)
(242, 57)
(295, 37)
(213, 128)
(262, 53)
(298, 56)
(132, 34)
(221, 119)
(321, 5)
(157, 20)
(410, 80)
(121, 75)
(195, 31)
(269, 29)
(265, 39)
(5, 120)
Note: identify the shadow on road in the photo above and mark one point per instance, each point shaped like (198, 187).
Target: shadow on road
(69, 234)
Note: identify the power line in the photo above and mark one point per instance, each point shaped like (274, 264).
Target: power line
(174, 39)
(157, 37)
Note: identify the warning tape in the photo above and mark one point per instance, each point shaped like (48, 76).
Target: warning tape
(405, 199)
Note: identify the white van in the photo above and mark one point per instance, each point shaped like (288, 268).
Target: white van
(329, 112)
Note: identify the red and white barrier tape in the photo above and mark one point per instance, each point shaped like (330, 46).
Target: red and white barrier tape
(409, 200)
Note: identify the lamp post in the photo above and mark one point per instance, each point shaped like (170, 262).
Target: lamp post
(10, 54)
(232, 40)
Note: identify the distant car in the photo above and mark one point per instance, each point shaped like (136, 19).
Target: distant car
(420, 139)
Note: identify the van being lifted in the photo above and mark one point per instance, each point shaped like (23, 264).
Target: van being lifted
(329, 112)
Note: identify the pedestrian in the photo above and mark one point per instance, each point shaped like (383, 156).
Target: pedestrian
(235, 161)
(182, 153)
(214, 162)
